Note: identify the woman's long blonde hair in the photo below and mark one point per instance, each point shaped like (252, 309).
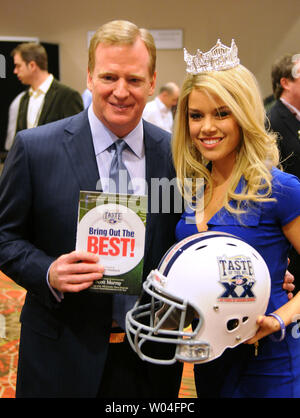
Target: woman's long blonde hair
(258, 151)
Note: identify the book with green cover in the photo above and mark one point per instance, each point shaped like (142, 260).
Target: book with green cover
(113, 226)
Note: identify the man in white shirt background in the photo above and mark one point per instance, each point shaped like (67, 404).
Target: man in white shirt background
(47, 100)
(159, 111)
(12, 120)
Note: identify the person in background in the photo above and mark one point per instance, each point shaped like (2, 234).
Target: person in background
(269, 101)
(13, 111)
(160, 110)
(73, 341)
(86, 98)
(220, 136)
(46, 100)
(284, 120)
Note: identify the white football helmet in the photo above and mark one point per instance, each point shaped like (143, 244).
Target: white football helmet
(212, 276)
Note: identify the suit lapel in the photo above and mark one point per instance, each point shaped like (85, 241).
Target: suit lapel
(152, 152)
(22, 114)
(49, 97)
(79, 147)
(292, 124)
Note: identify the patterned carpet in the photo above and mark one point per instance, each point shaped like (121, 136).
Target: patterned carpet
(11, 300)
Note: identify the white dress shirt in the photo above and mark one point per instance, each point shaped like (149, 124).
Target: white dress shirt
(157, 113)
(292, 108)
(36, 102)
(12, 120)
(133, 158)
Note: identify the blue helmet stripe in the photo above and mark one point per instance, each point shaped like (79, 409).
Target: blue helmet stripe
(197, 238)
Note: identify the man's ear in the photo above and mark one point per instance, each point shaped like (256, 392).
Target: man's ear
(89, 80)
(152, 84)
(284, 82)
(32, 65)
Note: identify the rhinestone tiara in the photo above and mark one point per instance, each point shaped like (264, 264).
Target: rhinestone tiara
(219, 58)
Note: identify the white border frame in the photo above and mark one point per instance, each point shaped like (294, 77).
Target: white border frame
(19, 39)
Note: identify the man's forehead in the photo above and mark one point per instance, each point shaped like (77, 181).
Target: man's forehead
(296, 66)
(17, 57)
(297, 69)
(138, 47)
(115, 59)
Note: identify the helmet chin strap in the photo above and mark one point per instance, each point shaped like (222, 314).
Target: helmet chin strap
(194, 352)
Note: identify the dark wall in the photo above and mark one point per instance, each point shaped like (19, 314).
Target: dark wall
(10, 86)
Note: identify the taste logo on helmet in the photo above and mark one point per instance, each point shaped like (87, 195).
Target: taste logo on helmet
(237, 277)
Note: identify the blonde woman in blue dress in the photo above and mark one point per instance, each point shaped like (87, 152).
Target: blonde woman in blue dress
(220, 136)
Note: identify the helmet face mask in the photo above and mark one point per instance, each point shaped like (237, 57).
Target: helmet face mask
(214, 280)
(164, 320)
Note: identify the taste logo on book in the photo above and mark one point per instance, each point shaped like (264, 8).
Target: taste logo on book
(112, 217)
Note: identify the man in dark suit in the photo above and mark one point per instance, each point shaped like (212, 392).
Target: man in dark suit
(47, 100)
(65, 348)
(284, 117)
